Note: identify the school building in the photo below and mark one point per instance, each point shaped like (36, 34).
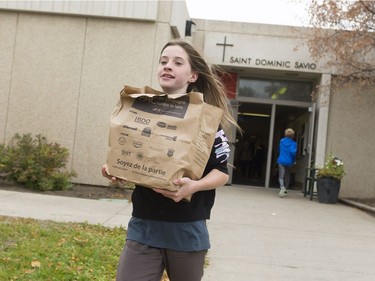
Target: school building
(63, 64)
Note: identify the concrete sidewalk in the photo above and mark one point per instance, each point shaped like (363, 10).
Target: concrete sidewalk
(256, 236)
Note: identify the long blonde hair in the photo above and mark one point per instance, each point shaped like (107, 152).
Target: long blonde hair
(209, 84)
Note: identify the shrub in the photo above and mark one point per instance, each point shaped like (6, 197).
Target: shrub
(35, 163)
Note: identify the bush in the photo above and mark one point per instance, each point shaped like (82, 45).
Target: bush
(35, 163)
(333, 167)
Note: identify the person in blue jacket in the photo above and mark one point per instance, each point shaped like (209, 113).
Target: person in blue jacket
(286, 159)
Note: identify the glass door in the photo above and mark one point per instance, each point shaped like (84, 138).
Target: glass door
(266, 107)
(250, 155)
(298, 119)
(255, 153)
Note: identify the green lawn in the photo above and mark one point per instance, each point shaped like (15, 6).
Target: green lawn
(45, 250)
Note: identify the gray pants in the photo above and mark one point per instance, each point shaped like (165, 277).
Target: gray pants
(140, 262)
(284, 176)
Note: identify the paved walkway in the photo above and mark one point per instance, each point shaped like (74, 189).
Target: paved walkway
(255, 235)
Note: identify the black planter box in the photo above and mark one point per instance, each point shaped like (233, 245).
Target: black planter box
(328, 190)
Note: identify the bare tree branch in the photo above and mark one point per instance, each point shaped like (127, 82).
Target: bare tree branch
(344, 39)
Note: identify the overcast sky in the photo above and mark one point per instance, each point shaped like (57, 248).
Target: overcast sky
(283, 12)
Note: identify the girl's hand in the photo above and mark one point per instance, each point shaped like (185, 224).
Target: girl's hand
(187, 188)
(113, 179)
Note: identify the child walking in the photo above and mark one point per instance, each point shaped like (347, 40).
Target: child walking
(286, 159)
(166, 232)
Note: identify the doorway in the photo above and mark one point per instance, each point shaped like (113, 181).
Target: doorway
(256, 151)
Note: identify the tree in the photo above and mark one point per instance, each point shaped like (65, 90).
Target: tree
(344, 38)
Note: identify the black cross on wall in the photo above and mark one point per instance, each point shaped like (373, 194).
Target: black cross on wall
(224, 45)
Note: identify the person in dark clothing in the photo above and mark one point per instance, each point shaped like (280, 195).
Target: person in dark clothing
(246, 158)
(286, 159)
(259, 157)
(166, 232)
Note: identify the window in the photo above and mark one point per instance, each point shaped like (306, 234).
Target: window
(275, 89)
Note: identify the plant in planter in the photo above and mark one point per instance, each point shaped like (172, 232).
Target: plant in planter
(329, 179)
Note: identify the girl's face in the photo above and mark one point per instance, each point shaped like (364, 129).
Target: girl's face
(174, 72)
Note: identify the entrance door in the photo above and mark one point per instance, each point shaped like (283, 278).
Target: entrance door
(250, 158)
(256, 151)
(298, 119)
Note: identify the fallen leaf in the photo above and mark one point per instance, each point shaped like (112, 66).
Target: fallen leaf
(81, 240)
(35, 264)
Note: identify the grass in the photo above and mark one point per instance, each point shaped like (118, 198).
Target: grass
(45, 250)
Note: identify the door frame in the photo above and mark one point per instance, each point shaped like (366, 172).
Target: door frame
(310, 107)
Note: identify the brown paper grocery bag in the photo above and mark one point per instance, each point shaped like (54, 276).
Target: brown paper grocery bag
(155, 138)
